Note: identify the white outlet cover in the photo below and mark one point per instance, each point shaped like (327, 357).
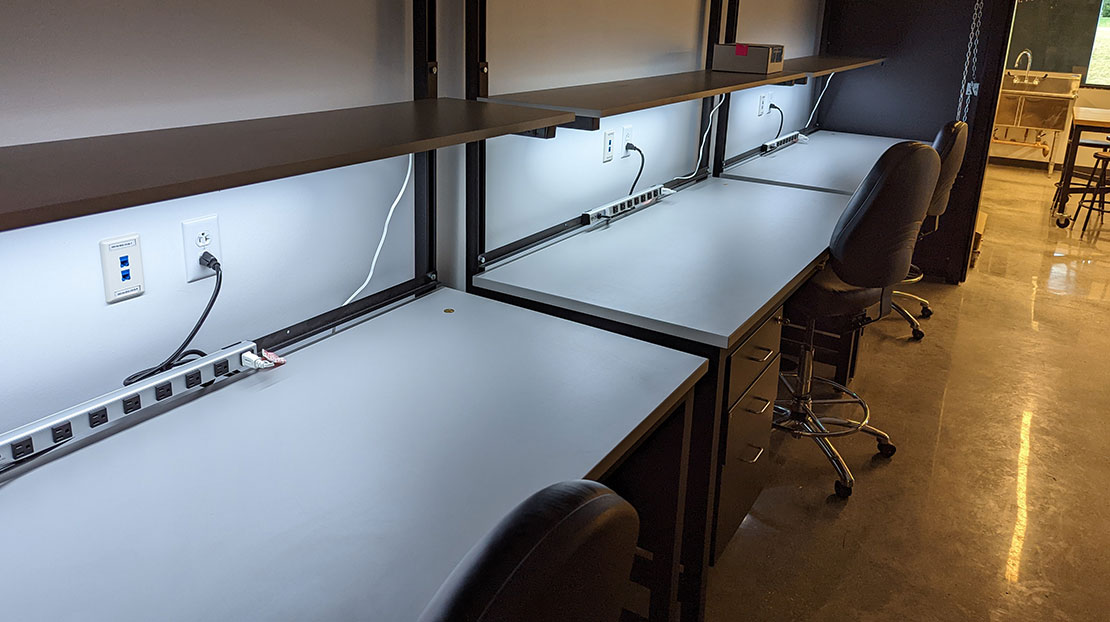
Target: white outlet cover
(121, 262)
(762, 104)
(625, 139)
(607, 145)
(199, 235)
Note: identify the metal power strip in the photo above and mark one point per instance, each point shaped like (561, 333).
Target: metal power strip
(103, 413)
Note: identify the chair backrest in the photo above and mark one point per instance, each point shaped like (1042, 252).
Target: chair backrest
(872, 244)
(950, 144)
(563, 554)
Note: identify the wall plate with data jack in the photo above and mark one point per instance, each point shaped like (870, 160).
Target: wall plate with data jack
(199, 235)
(608, 146)
(121, 262)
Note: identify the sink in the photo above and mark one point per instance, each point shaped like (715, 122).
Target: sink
(1047, 83)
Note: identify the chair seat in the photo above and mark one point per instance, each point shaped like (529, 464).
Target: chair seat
(825, 295)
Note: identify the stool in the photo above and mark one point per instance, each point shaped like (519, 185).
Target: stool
(1094, 193)
(1103, 145)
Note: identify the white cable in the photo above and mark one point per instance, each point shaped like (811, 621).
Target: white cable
(819, 97)
(385, 230)
(705, 137)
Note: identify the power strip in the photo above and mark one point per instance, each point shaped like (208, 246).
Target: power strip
(779, 143)
(623, 206)
(99, 414)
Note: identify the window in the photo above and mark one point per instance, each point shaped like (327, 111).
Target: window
(1098, 72)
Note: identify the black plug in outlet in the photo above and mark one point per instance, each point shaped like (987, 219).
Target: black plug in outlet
(23, 448)
(220, 368)
(131, 404)
(98, 417)
(162, 391)
(62, 432)
(192, 379)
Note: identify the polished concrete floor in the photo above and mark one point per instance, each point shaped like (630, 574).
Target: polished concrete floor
(997, 504)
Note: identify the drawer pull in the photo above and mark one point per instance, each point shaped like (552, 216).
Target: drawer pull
(766, 405)
(766, 357)
(757, 455)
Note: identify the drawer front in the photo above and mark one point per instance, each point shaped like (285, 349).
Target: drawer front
(750, 359)
(744, 463)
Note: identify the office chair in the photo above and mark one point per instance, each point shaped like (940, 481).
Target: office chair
(870, 251)
(564, 554)
(950, 144)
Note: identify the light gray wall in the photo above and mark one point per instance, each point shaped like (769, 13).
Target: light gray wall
(535, 44)
(292, 248)
(794, 24)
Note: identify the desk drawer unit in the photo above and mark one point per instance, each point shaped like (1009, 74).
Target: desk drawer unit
(752, 385)
(751, 358)
(743, 468)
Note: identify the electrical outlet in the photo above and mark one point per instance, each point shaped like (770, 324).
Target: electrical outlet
(98, 417)
(627, 138)
(199, 235)
(121, 263)
(62, 432)
(762, 105)
(22, 448)
(607, 146)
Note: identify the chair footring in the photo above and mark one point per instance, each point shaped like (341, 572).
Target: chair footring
(797, 417)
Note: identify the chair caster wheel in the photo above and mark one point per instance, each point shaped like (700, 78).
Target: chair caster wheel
(918, 334)
(1063, 222)
(887, 450)
(926, 311)
(843, 491)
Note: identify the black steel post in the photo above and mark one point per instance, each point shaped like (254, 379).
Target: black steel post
(425, 86)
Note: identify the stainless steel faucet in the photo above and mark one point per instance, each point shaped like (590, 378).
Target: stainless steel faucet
(1028, 65)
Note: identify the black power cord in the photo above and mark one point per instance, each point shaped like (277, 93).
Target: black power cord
(181, 355)
(782, 119)
(643, 160)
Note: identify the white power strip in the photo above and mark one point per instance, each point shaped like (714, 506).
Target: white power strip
(779, 143)
(102, 413)
(625, 205)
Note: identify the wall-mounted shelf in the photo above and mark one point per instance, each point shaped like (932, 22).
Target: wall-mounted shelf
(817, 66)
(592, 102)
(46, 182)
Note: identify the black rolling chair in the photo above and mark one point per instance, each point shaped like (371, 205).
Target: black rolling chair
(870, 251)
(950, 144)
(564, 554)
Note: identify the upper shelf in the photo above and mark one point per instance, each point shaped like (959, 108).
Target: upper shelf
(45, 182)
(592, 102)
(816, 66)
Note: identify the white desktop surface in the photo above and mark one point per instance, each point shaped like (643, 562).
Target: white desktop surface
(703, 264)
(345, 485)
(830, 161)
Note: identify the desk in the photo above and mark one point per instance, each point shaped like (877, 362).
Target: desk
(347, 484)
(830, 161)
(705, 271)
(1084, 120)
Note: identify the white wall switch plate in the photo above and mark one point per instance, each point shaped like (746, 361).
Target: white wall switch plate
(199, 235)
(121, 261)
(607, 146)
(762, 105)
(627, 138)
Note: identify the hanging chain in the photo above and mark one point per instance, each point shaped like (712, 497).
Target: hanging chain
(968, 89)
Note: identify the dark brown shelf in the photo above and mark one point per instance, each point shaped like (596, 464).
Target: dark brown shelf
(592, 102)
(45, 182)
(816, 66)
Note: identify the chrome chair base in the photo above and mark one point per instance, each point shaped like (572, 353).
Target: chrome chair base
(915, 326)
(797, 416)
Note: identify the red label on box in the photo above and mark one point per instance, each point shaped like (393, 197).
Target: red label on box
(741, 49)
